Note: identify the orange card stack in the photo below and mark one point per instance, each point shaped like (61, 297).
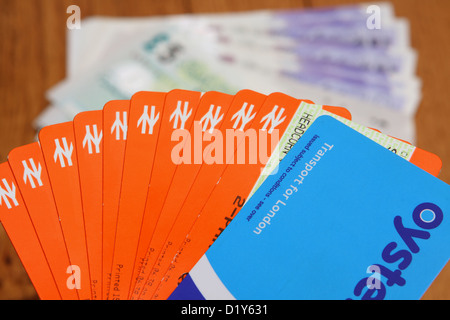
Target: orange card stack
(121, 202)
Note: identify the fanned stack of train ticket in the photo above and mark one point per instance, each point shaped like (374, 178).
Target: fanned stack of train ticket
(206, 195)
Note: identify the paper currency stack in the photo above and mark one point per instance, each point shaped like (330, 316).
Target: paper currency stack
(357, 56)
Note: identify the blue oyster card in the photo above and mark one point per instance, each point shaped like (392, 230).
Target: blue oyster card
(343, 218)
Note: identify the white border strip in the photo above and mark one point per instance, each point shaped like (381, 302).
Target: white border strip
(207, 281)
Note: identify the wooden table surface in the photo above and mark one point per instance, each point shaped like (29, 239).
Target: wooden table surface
(32, 59)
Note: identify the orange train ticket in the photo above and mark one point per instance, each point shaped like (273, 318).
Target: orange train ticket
(58, 148)
(88, 129)
(115, 124)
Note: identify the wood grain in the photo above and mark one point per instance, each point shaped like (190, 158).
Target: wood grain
(32, 59)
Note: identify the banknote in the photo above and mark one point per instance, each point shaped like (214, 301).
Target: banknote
(160, 60)
(371, 73)
(369, 113)
(109, 59)
(245, 28)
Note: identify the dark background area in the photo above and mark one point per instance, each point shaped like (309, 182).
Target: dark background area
(33, 58)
